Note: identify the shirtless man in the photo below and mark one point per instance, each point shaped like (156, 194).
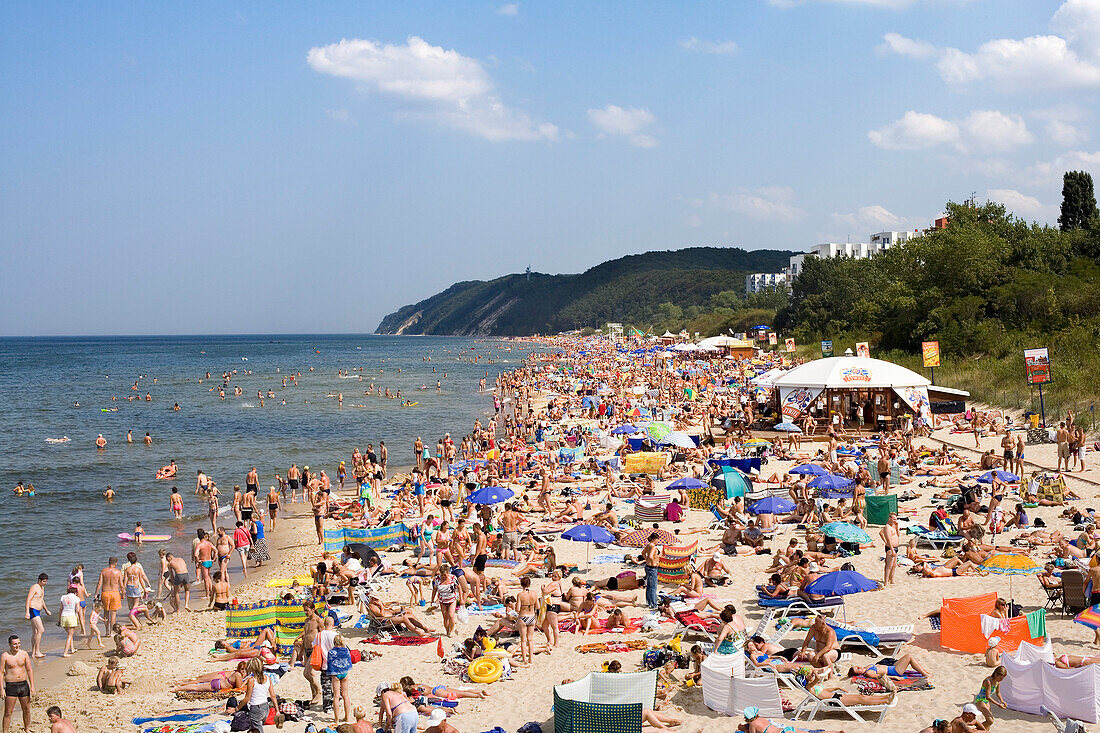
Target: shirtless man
(825, 643)
(248, 505)
(224, 546)
(607, 519)
(293, 476)
(57, 723)
(100, 442)
(205, 553)
(891, 539)
(36, 606)
(202, 483)
(180, 582)
(1062, 437)
(509, 525)
(252, 481)
(273, 502)
(15, 665)
(312, 627)
(109, 590)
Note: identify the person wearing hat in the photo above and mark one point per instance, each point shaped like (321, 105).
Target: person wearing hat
(438, 723)
(967, 721)
(755, 724)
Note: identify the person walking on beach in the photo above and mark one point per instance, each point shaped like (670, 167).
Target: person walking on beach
(134, 580)
(204, 557)
(1062, 437)
(252, 481)
(67, 617)
(891, 539)
(180, 582)
(309, 632)
(242, 541)
(319, 500)
(212, 507)
(651, 554)
(293, 476)
(273, 502)
(18, 671)
(36, 606)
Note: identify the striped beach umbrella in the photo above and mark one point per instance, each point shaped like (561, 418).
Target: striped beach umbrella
(846, 532)
(1089, 617)
(1010, 564)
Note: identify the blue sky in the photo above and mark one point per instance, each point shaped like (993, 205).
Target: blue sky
(286, 167)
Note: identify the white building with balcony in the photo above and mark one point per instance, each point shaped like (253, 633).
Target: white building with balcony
(759, 281)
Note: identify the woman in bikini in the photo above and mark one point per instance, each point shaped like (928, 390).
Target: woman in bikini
(552, 597)
(230, 679)
(527, 606)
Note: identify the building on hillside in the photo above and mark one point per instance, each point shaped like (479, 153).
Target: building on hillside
(881, 241)
(759, 281)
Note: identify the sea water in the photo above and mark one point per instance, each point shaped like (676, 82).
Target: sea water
(68, 521)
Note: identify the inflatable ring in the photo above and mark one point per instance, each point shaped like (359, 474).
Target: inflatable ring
(485, 670)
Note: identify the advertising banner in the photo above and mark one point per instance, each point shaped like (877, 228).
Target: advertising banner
(790, 345)
(917, 399)
(863, 349)
(796, 400)
(930, 350)
(826, 349)
(1037, 366)
(772, 339)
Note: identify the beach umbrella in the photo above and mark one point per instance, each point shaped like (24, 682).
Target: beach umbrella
(808, 469)
(841, 583)
(588, 533)
(733, 482)
(787, 427)
(491, 495)
(658, 431)
(1089, 617)
(846, 532)
(639, 537)
(1005, 476)
(756, 443)
(772, 505)
(687, 483)
(1010, 564)
(678, 440)
(831, 481)
(624, 430)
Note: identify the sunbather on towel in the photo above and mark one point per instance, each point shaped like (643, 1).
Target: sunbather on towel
(901, 667)
(230, 679)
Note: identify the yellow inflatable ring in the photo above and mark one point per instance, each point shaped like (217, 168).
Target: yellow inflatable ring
(485, 670)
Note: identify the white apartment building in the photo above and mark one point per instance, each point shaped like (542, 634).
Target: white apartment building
(760, 280)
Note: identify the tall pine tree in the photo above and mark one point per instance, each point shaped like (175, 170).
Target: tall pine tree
(1078, 201)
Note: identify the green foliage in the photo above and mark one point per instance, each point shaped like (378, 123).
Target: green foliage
(668, 289)
(1078, 201)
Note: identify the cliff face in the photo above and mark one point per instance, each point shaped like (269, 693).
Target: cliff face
(626, 289)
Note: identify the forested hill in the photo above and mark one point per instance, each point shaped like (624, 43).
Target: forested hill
(631, 289)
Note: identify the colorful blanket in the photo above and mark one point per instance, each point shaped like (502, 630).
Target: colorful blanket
(401, 640)
(869, 686)
(612, 647)
(632, 626)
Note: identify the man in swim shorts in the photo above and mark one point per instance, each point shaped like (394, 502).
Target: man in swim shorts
(36, 606)
(15, 665)
(109, 590)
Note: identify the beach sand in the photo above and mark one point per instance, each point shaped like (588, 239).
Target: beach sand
(178, 648)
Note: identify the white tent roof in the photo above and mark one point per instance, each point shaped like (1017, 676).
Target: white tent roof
(850, 372)
(767, 379)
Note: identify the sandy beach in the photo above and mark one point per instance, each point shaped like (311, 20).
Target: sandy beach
(178, 648)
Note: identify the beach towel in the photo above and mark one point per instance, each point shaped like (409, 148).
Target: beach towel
(612, 647)
(1037, 623)
(485, 610)
(174, 717)
(401, 640)
(494, 562)
(607, 559)
(304, 579)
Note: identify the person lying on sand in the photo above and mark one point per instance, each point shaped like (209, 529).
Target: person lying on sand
(230, 679)
(901, 667)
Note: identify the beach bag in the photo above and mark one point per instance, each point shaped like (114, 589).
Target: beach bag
(463, 615)
(316, 658)
(240, 720)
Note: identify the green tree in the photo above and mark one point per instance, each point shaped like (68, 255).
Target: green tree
(1078, 201)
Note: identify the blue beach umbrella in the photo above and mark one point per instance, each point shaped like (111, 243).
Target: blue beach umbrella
(624, 430)
(587, 533)
(808, 469)
(772, 505)
(1005, 476)
(491, 495)
(687, 483)
(787, 427)
(841, 583)
(831, 481)
(846, 532)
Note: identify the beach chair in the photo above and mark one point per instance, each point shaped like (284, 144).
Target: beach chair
(795, 606)
(674, 564)
(718, 522)
(651, 508)
(812, 706)
(873, 638)
(1074, 599)
(937, 539)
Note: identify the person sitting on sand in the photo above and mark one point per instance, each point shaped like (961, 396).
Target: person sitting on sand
(230, 679)
(811, 679)
(127, 641)
(402, 618)
(153, 612)
(755, 724)
(109, 680)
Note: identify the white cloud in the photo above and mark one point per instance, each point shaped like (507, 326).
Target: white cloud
(873, 218)
(1024, 206)
(693, 220)
(510, 9)
(915, 130)
(1049, 172)
(340, 115)
(1070, 57)
(899, 44)
(430, 83)
(630, 123)
(774, 203)
(1064, 134)
(722, 48)
(985, 131)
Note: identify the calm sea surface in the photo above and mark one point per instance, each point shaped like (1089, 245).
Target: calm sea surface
(68, 521)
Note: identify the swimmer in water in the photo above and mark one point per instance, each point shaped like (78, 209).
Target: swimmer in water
(109, 494)
(100, 442)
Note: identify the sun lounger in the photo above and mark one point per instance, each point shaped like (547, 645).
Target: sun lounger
(812, 706)
(936, 539)
(799, 607)
(873, 638)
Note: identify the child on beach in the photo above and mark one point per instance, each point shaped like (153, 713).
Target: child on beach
(339, 667)
(93, 627)
(990, 692)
